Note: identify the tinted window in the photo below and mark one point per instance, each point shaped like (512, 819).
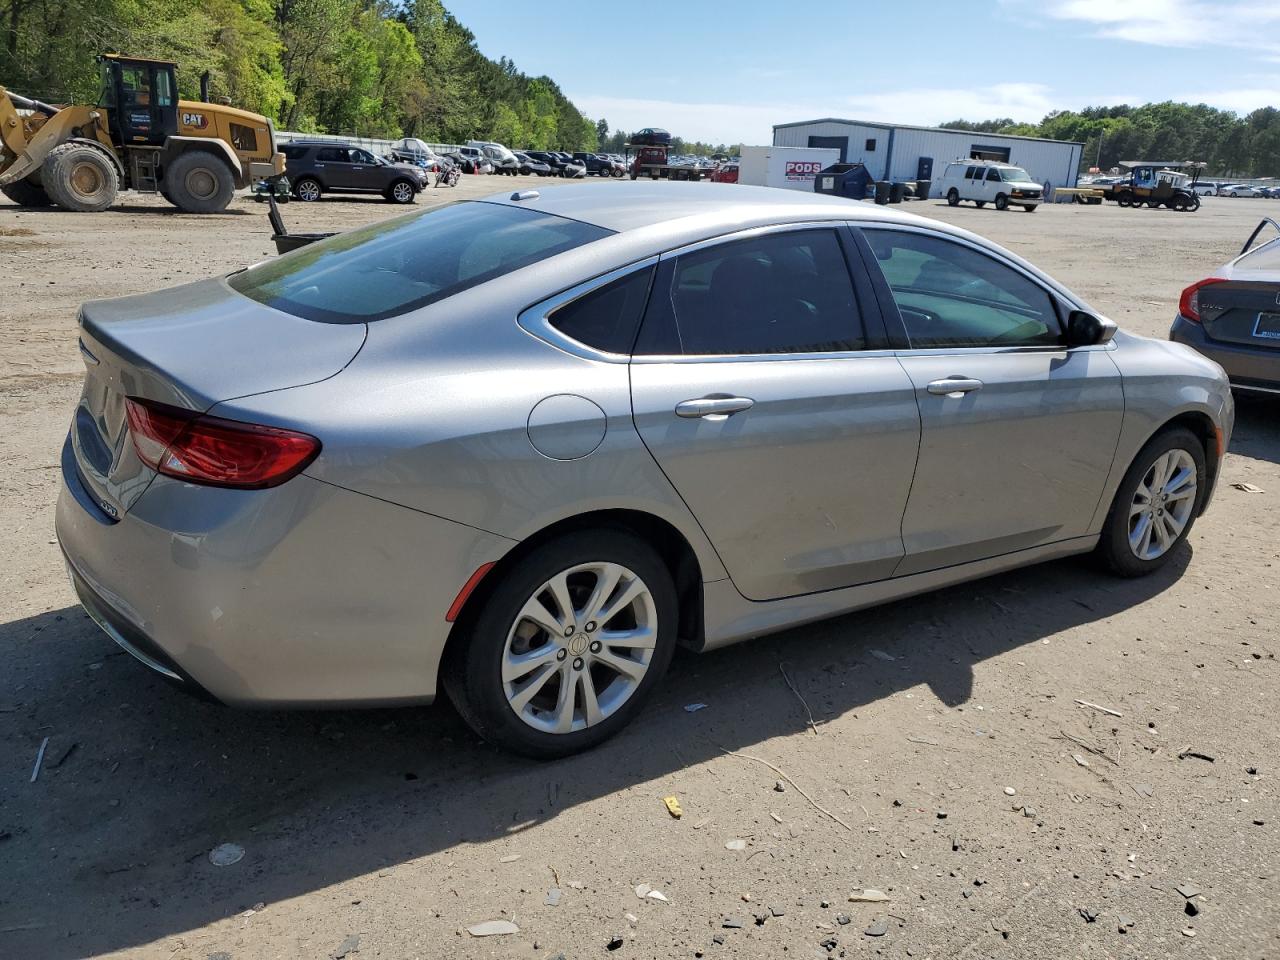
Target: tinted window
(968, 174)
(871, 145)
(292, 152)
(398, 265)
(361, 156)
(950, 295)
(993, 175)
(779, 293)
(606, 318)
(331, 155)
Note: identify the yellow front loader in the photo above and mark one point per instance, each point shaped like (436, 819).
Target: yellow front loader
(139, 136)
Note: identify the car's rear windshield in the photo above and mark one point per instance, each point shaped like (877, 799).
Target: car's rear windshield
(398, 265)
(1263, 259)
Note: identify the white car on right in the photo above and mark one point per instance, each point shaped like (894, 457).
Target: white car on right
(1238, 190)
(987, 181)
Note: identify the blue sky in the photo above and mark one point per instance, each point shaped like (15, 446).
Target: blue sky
(727, 70)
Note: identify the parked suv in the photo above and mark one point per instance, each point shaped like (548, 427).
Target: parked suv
(317, 167)
(985, 181)
(596, 163)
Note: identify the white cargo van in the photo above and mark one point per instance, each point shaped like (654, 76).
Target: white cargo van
(986, 181)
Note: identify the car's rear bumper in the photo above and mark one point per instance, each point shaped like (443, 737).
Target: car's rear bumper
(304, 594)
(1247, 367)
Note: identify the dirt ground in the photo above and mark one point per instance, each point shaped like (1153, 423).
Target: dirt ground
(390, 832)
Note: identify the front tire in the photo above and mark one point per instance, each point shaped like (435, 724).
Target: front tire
(567, 646)
(402, 191)
(79, 177)
(1002, 202)
(199, 182)
(953, 197)
(1155, 505)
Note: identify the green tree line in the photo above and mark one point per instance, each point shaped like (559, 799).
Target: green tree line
(1231, 145)
(372, 68)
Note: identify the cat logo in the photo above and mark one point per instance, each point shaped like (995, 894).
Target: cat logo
(197, 120)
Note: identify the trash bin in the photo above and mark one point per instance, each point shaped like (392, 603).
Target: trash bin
(922, 189)
(883, 190)
(897, 192)
(843, 180)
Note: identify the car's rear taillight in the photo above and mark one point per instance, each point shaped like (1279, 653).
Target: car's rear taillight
(209, 450)
(1189, 302)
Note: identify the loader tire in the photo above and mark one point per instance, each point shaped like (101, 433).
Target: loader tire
(199, 182)
(26, 194)
(79, 177)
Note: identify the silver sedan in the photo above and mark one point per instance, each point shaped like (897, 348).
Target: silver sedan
(519, 449)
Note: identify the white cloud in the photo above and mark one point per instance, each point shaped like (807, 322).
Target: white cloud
(1242, 101)
(753, 122)
(1179, 23)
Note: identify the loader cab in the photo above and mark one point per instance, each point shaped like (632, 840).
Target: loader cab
(141, 97)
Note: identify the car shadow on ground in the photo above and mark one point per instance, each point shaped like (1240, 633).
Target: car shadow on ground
(1257, 429)
(108, 849)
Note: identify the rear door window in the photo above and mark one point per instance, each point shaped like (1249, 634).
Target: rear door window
(331, 155)
(392, 267)
(780, 293)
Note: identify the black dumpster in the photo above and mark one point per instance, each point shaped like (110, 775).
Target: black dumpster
(922, 189)
(897, 192)
(883, 190)
(843, 180)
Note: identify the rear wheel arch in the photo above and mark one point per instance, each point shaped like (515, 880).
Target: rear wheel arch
(666, 540)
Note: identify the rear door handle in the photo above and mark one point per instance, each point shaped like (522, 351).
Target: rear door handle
(717, 408)
(953, 387)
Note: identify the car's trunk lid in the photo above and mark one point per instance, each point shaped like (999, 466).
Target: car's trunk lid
(1242, 311)
(190, 347)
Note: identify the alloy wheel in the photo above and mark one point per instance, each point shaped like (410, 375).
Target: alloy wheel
(402, 192)
(580, 647)
(308, 190)
(1162, 504)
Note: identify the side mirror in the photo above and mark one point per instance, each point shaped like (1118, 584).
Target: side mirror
(1086, 330)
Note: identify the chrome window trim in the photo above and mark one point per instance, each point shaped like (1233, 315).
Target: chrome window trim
(536, 320)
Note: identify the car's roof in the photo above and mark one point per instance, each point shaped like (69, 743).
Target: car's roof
(633, 205)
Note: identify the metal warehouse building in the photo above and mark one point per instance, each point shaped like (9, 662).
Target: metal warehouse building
(897, 152)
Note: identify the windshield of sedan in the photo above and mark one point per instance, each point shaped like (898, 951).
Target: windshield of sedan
(1011, 174)
(398, 265)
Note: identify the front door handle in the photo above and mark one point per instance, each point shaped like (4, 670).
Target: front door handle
(953, 387)
(713, 408)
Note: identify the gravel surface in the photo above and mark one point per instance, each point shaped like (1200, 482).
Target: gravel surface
(394, 833)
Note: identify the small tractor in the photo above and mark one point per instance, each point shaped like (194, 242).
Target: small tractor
(139, 136)
(1157, 185)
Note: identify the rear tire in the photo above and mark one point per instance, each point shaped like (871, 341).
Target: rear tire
(1147, 500)
(199, 182)
(79, 177)
(25, 193)
(488, 668)
(953, 197)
